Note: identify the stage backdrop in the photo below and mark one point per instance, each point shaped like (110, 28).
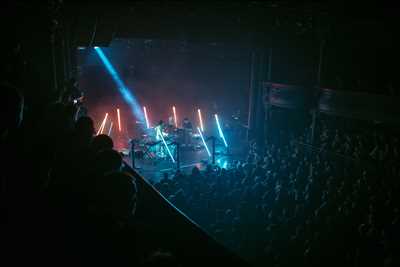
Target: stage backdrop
(163, 73)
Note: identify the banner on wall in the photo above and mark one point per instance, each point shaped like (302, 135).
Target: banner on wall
(359, 105)
(340, 103)
(289, 96)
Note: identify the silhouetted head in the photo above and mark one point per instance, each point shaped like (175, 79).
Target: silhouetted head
(85, 124)
(195, 171)
(107, 161)
(114, 195)
(84, 129)
(102, 142)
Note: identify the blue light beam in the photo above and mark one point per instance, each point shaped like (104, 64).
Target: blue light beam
(165, 144)
(221, 134)
(204, 142)
(126, 94)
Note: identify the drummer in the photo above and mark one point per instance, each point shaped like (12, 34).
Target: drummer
(187, 125)
(160, 127)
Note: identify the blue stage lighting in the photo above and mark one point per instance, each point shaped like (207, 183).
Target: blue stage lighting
(222, 163)
(165, 144)
(204, 142)
(221, 134)
(126, 94)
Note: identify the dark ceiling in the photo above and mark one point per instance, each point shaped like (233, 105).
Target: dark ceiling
(254, 22)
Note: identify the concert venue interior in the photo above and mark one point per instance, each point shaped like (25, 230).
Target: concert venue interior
(173, 80)
(168, 133)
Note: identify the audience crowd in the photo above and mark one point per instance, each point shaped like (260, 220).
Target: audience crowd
(66, 196)
(333, 204)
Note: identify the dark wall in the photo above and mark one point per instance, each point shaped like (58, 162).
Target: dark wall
(360, 56)
(27, 31)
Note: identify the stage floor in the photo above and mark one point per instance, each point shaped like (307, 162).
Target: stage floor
(154, 169)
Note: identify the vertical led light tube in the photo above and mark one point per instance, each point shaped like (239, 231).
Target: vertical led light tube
(109, 131)
(119, 119)
(221, 134)
(204, 142)
(200, 120)
(165, 144)
(102, 124)
(175, 118)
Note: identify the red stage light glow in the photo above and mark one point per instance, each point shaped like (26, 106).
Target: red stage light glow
(119, 120)
(200, 120)
(100, 131)
(175, 118)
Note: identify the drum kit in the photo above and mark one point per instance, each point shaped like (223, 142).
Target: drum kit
(152, 147)
(155, 143)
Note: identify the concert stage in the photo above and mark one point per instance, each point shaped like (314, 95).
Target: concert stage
(153, 169)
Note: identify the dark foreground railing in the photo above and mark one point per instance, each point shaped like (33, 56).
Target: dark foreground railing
(162, 226)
